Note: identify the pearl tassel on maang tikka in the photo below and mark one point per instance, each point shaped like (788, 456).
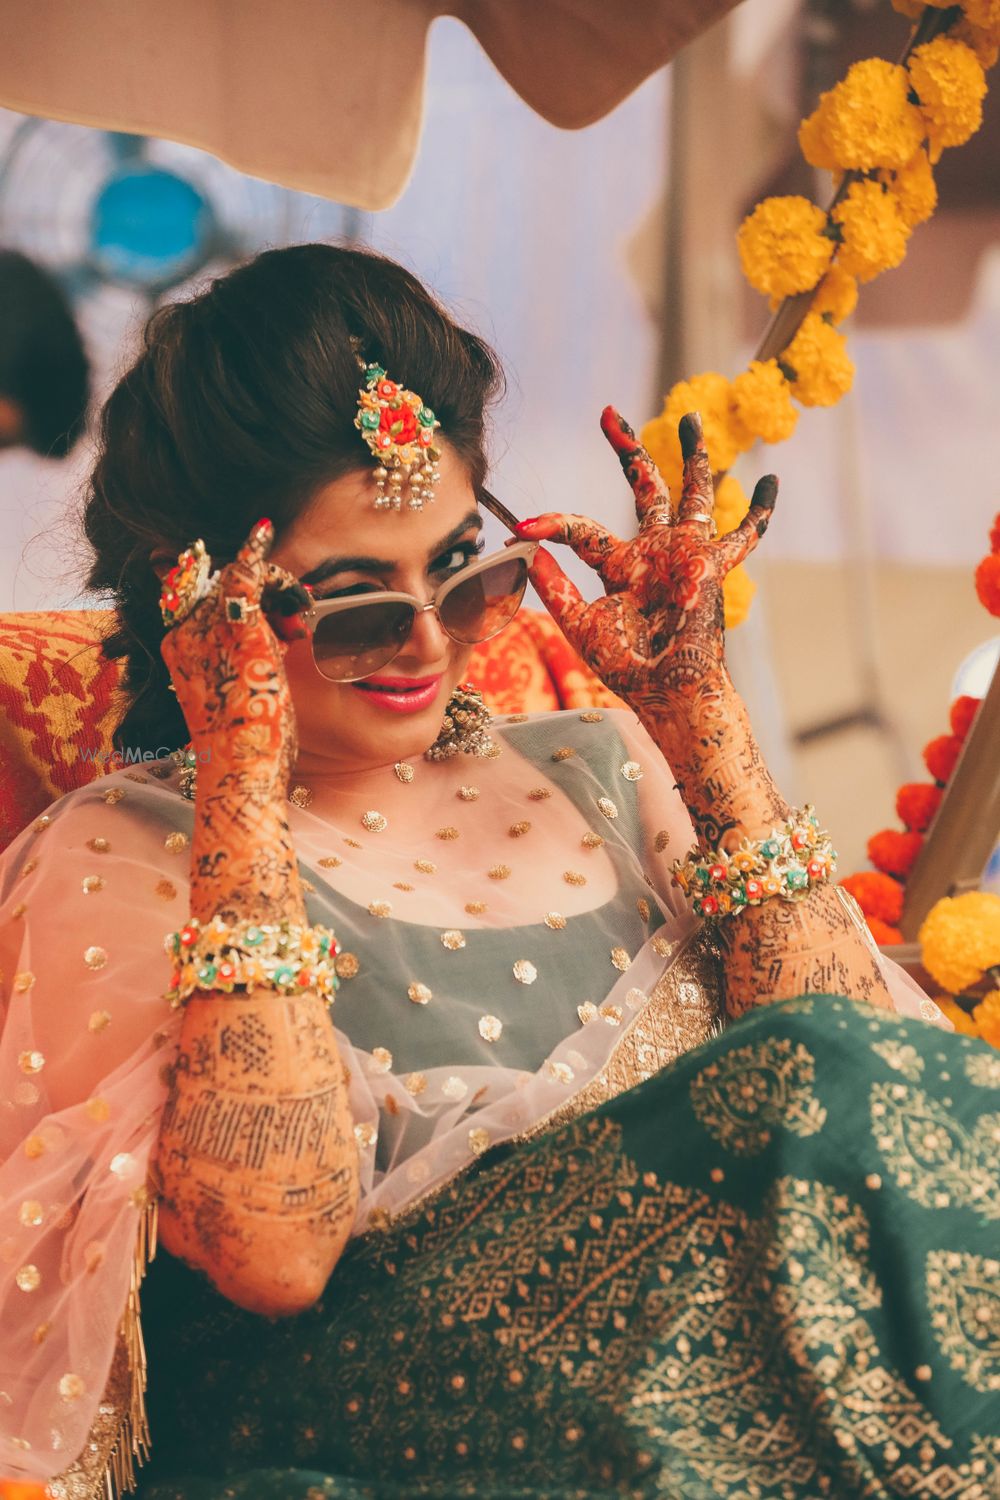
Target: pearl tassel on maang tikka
(399, 430)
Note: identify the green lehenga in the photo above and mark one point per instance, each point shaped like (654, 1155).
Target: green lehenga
(771, 1270)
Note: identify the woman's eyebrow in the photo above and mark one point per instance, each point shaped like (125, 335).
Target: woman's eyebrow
(382, 566)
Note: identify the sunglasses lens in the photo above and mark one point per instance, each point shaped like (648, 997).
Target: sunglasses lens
(482, 605)
(352, 643)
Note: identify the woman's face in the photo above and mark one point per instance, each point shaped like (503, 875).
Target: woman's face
(342, 546)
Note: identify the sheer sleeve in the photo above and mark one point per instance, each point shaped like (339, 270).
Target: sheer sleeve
(87, 894)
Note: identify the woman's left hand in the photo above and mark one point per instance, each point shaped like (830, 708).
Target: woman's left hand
(657, 636)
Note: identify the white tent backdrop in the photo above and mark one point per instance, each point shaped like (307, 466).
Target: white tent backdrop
(525, 230)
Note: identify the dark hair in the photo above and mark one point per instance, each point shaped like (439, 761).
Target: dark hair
(43, 366)
(242, 404)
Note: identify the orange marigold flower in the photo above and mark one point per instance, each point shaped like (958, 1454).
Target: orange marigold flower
(960, 939)
(988, 582)
(950, 84)
(984, 40)
(962, 713)
(959, 1018)
(941, 754)
(817, 363)
(914, 189)
(878, 895)
(987, 1018)
(865, 121)
(763, 402)
(836, 296)
(882, 932)
(916, 804)
(894, 853)
(873, 230)
(782, 246)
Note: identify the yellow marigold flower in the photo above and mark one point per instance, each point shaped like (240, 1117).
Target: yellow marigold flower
(763, 402)
(783, 249)
(866, 120)
(836, 296)
(738, 589)
(817, 363)
(987, 1018)
(710, 394)
(950, 83)
(984, 40)
(959, 1018)
(960, 939)
(874, 232)
(731, 504)
(813, 142)
(914, 189)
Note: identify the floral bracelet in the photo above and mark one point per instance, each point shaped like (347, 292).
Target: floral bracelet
(286, 956)
(788, 863)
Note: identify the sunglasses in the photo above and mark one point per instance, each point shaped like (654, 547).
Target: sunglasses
(356, 636)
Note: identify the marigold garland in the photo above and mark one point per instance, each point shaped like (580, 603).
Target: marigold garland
(883, 124)
(960, 936)
(960, 939)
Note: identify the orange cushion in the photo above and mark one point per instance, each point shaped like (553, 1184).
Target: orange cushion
(59, 701)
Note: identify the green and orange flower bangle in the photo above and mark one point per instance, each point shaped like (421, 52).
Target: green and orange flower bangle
(788, 864)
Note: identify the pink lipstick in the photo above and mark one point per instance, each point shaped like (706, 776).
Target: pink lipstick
(403, 695)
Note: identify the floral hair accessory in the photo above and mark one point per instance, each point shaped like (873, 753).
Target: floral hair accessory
(399, 430)
(789, 863)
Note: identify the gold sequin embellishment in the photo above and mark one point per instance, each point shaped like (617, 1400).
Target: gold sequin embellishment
(539, 793)
(607, 807)
(555, 920)
(374, 821)
(95, 957)
(478, 1140)
(174, 843)
(425, 866)
(467, 793)
(592, 841)
(573, 877)
(490, 1028)
(620, 959)
(564, 752)
(419, 993)
(31, 1062)
(101, 846)
(453, 939)
(330, 862)
(346, 965)
(381, 1060)
(447, 833)
(380, 908)
(631, 770)
(499, 872)
(524, 971)
(404, 773)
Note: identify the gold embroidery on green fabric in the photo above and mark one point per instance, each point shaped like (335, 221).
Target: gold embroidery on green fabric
(932, 1157)
(963, 1292)
(743, 1096)
(983, 1068)
(735, 1348)
(901, 1056)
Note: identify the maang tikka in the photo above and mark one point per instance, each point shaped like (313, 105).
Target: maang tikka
(399, 430)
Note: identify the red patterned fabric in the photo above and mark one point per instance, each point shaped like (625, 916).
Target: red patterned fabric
(59, 701)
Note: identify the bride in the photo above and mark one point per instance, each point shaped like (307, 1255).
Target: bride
(524, 1108)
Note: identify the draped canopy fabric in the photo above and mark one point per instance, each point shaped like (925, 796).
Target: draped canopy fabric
(325, 96)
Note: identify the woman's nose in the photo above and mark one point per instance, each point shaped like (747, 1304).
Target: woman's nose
(428, 642)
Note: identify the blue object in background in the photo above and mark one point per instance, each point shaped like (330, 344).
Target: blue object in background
(150, 228)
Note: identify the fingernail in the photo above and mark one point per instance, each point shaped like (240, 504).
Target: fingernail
(765, 492)
(263, 527)
(690, 433)
(522, 526)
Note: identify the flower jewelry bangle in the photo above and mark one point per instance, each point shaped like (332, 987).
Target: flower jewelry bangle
(788, 863)
(285, 956)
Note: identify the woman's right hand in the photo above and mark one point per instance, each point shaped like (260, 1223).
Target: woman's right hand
(229, 675)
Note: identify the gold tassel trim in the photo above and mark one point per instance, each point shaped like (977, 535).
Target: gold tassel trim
(131, 1446)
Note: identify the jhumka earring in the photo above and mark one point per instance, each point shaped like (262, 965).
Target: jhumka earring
(399, 430)
(465, 728)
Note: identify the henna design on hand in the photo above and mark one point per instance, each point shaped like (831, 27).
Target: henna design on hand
(657, 639)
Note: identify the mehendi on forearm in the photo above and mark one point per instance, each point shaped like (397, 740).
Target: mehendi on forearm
(256, 1156)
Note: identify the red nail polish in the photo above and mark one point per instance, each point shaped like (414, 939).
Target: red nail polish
(523, 525)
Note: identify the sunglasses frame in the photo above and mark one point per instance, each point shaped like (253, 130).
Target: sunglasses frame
(323, 607)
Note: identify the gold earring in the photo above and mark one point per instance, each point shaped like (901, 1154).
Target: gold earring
(465, 727)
